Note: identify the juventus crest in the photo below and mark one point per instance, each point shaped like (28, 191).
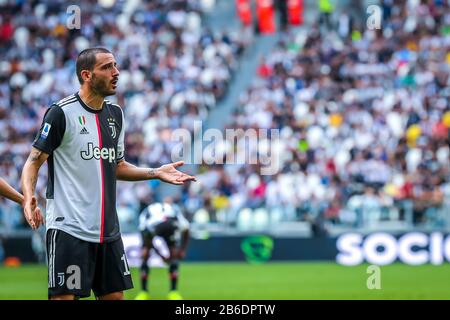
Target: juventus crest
(112, 127)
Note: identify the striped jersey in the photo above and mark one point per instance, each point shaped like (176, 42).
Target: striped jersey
(158, 213)
(84, 146)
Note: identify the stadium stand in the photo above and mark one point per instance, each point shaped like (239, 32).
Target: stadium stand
(364, 118)
(173, 70)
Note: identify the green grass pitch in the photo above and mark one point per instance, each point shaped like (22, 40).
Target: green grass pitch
(266, 281)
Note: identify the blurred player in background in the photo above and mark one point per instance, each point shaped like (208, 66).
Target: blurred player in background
(164, 220)
(7, 191)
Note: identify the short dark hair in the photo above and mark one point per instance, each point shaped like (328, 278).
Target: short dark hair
(86, 60)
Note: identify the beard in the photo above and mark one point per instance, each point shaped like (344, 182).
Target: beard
(101, 87)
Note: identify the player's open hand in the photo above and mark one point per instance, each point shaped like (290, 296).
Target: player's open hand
(169, 173)
(33, 213)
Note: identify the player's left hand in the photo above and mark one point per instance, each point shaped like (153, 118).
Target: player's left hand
(169, 173)
(33, 213)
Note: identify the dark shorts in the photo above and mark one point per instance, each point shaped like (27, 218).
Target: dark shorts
(76, 266)
(167, 230)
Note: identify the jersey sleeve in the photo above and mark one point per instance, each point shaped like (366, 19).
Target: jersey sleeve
(121, 142)
(183, 223)
(143, 218)
(52, 130)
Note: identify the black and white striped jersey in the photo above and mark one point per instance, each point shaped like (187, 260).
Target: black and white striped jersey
(158, 213)
(84, 146)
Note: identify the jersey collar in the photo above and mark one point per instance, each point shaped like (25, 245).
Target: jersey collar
(86, 107)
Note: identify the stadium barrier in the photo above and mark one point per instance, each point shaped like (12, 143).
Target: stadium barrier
(379, 248)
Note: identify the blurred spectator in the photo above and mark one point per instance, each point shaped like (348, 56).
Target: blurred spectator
(326, 8)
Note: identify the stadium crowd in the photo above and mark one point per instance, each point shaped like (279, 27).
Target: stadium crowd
(173, 70)
(363, 118)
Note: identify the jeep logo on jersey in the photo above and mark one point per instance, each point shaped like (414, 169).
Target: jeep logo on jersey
(97, 153)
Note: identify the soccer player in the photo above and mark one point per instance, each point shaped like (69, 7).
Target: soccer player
(82, 139)
(166, 221)
(9, 192)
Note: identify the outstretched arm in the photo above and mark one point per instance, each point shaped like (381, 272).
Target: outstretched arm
(29, 179)
(166, 173)
(9, 192)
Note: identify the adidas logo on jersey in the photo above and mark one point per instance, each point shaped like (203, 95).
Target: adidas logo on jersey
(84, 131)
